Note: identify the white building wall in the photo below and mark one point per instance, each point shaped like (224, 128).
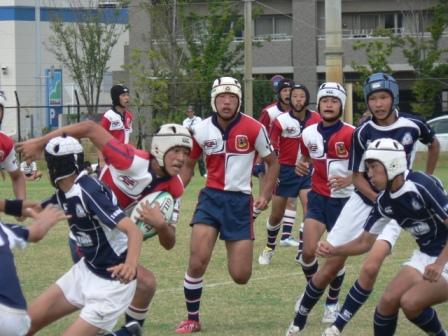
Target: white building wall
(18, 54)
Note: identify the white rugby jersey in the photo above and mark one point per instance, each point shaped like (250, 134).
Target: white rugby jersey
(230, 154)
(8, 159)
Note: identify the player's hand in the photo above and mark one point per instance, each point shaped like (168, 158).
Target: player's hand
(31, 150)
(260, 203)
(433, 272)
(151, 214)
(302, 168)
(324, 249)
(125, 272)
(339, 182)
(50, 215)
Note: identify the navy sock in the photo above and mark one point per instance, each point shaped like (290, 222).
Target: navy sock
(335, 288)
(384, 325)
(311, 295)
(193, 293)
(309, 269)
(289, 218)
(356, 297)
(272, 232)
(429, 322)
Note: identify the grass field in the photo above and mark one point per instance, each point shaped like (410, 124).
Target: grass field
(262, 307)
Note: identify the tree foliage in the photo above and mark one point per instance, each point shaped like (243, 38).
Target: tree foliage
(183, 53)
(422, 52)
(84, 46)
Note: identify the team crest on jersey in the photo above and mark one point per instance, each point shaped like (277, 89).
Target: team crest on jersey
(210, 144)
(407, 139)
(418, 229)
(341, 151)
(129, 182)
(416, 205)
(80, 211)
(241, 143)
(313, 147)
(388, 210)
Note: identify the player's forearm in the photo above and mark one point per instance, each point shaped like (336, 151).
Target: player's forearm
(433, 156)
(186, 172)
(167, 236)
(358, 246)
(135, 239)
(270, 178)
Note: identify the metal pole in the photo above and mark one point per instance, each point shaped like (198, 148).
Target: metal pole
(19, 132)
(78, 109)
(37, 67)
(333, 41)
(248, 80)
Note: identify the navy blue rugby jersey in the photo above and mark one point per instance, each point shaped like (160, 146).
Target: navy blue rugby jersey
(407, 130)
(11, 236)
(420, 207)
(94, 214)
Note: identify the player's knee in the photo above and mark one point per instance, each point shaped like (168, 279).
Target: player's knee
(369, 272)
(308, 253)
(146, 282)
(410, 306)
(389, 301)
(241, 277)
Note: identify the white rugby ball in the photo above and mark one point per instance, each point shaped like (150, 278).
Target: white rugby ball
(166, 203)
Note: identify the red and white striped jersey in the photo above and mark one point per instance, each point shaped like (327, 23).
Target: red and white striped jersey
(8, 159)
(120, 126)
(328, 148)
(128, 174)
(286, 132)
(230, 154)
(269, 114)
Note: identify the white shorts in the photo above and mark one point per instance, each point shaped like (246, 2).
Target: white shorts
(13, 322)
(351, 220)
(420, 260)
(101, 301)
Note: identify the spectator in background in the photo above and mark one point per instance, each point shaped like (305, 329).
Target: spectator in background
(189, 122)
(118, 120)
(30, 171)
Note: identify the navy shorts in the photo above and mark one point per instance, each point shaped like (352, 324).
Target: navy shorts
(230, 212)
(289, 183)
(324, 209)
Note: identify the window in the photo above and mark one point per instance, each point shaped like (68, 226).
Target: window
(268, 25)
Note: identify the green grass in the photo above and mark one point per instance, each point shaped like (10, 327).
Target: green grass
(262, 307)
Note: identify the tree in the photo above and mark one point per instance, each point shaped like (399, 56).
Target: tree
(423, 53)
(84, 46)
(183, 53)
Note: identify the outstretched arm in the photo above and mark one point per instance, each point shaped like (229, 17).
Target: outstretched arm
(32, 149)
(433, 156)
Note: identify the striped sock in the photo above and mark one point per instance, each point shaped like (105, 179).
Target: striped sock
(335, 287)
(255, 213)
(429, 322)
(310, 297)
(272, 232)
(289, 218)
(309, 269)
(384, 325)
(356, 297)
(136, 314)
(193, 292)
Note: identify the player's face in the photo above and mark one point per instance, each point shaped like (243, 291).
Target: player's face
(377, 174)
(284, 95)
(124, 99)
(380, 104)
(329, 108)
(226, 105)
(298, 99)
(175, 158)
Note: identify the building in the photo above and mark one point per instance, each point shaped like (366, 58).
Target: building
(292, 36)
(27, 66)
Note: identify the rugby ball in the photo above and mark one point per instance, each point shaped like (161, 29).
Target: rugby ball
(166, 203)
